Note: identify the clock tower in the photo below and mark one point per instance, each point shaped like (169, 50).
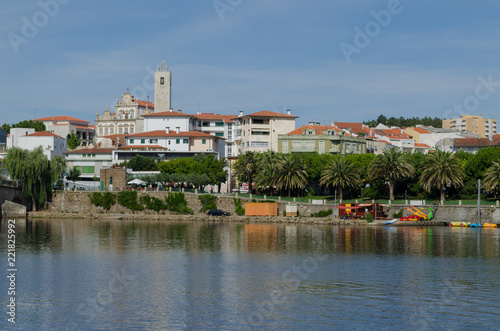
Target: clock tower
(162, 88)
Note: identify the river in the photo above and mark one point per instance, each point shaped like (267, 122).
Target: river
(154, 275)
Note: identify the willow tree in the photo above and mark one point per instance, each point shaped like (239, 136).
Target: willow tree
(391, 165)
(342, 173)
(58, 167)
(32, 169)
(441, 169)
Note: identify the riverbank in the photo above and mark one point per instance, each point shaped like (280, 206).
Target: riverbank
(197, 218)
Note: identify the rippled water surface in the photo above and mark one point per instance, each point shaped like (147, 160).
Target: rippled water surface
(137, 275)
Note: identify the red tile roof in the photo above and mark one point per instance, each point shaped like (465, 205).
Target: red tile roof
(172, 133)
(267, 113)
(418, 145)
(471, 142)
(318, 128)
(420, 130)
(43, 134)
(60, 118)
(92, 151)
(496, 140)
(212, 116)
(167, 114)
(354, 126)
(144, 103)
(85, 128)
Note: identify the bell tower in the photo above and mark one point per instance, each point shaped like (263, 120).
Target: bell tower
(162, 88)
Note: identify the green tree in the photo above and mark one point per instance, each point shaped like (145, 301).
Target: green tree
(291, 174)
(29, 124)
(391, 165)
(342, 173)
(32, 170)
(245, 168)
(58, 166)
(492, 177)
(441, 169)
(73, 175)
(142, 163)
(73, 141)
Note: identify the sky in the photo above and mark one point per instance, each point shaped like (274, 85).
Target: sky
(325, 60)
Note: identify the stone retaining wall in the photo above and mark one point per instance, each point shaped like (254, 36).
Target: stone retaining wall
(489, 214)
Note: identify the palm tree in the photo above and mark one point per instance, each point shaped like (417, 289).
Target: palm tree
(391, 165)
(245, 168)
(440, 169)
(265, 178)
(342, 173)
(291, 173)
(492, 177)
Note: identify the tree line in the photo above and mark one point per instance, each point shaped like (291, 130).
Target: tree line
(405, 122)
(437, 175)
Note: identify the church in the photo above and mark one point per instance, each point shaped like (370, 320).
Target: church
(127, 117)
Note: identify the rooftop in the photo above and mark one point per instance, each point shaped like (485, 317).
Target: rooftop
(43, 134)
(60, 118)
(267, 113)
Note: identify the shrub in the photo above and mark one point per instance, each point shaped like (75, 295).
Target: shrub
(176, 202)
(369, 218)
(105, 200)
(129, 199)
(153, 203)
(208, 202)
(323, 213)
(239, 208)
(399, 214)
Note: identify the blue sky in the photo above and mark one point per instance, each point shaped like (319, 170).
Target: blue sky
(421, 60)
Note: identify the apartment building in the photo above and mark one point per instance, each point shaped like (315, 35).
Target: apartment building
(323, 139)
(64, 125)
(260, 130)
(484, 127)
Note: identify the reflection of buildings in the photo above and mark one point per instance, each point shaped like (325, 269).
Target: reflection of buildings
(261, 237)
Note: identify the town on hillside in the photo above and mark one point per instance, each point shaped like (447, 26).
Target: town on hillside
(157, 131)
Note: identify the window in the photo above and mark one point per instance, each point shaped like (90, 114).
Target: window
(260, 144)
(120, 130)
(169, 142)
(100, 131)
(84, 155)
(177, 141)
(219, 134)
(296, 144)
(310, 145)
(185, 141)
(93, 155)
(229, 150)
(153, 141)
(105, 131)
(131, 140)
(257, 121)
(162, 80)
(131, 130)
(203, 141)
(206, 124)
(321, 144)
(260, 133)
(88, 169)
(112, 131)
(229, 126)
(219, 123)
(284, 145)
(143, 141)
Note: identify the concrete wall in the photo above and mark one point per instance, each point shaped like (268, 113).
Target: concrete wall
(14, 194)
(456, 213)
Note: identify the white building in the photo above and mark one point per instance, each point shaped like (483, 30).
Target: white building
(224, 126)
(64, 125)
(169, 120)
(90, 161)
(167, 144)
(259, 131)
(51, 143)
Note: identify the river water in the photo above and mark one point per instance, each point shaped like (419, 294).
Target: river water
(153, 275)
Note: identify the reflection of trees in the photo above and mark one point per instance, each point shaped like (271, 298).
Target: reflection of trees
(124, 235)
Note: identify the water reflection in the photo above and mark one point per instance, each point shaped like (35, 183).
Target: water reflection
(234, 276)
